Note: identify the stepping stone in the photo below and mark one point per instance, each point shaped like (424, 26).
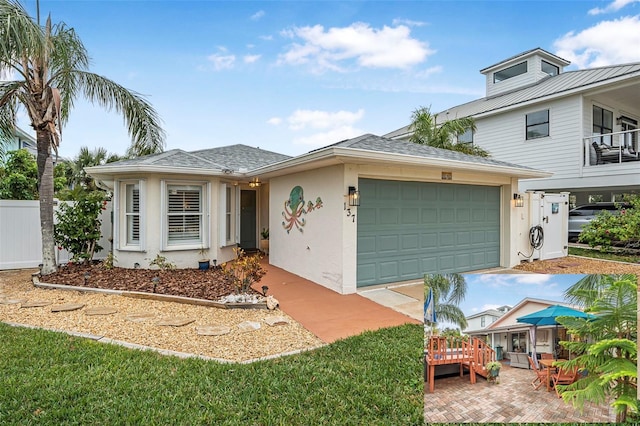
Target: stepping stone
(213, 330)
(139, 317)
(248, 326)
(67, 307)
(175, 322)
(11, 301)
(100, 310)
(35, 304)
(273, 321)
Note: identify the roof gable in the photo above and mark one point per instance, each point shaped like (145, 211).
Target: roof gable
(524, 307)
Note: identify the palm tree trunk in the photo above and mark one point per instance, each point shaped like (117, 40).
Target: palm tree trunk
(45, 190)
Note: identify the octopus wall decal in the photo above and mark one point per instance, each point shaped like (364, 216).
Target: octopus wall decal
(295, 207)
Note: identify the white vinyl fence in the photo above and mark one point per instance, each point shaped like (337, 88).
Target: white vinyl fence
(21, 239)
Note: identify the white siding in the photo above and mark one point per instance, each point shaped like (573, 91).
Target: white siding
(504, 136)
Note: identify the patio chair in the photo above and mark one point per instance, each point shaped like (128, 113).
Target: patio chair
(541, 375)
(564, 376)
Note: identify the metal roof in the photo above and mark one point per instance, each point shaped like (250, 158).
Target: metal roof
(548, 88)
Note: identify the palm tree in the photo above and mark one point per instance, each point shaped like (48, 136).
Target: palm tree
(427, 131)
(88, 158)
(609, 351)
(448, 291)
(50, 66)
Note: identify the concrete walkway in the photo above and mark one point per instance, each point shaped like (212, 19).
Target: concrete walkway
(327, 314)
(513, 400)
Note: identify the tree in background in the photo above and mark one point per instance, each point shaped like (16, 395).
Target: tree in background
(619, 228)
(608, 349)
(427, 131)
(50, 65)
(448, 291)
(19, 177)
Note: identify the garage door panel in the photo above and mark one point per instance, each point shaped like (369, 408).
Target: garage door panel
(408, 229)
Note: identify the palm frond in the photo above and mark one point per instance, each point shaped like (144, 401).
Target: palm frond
(20, 36)
(142, 121)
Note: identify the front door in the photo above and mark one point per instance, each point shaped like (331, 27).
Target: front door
(248, 220)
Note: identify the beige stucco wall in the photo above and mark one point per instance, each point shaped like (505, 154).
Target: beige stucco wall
(326, 250)
(151, 224)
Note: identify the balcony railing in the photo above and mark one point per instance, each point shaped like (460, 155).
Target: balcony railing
(611, 148)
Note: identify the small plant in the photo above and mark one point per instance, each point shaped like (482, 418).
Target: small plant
(244, 270)
(203, 252)
(264, 233)
(493, 371)
(109, 261)
(162, 263)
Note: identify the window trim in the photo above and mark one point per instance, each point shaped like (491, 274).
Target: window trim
(549, 64)
(120, 218)
(203, 241)
(519, 64)
(528, 126)
(228, 222)
(469, 142)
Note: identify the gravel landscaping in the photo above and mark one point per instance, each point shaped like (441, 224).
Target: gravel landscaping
(16, 288)
(579, 265)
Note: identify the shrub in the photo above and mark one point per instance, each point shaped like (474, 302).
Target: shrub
(619, 229)
(244, 270)
(78, 227)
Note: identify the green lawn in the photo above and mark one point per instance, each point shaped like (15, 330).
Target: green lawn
(53, 378)
(577, 251)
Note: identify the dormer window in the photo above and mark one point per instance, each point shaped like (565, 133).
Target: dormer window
(550, 68)
(512, 71)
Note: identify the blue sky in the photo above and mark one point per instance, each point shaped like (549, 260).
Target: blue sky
(488, 291)
(293, 76)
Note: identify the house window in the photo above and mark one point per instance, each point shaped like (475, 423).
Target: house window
(466, 137)
(512, 71)
(602, 124)
(130, 220)
(538, 124)
(228, 214)
(185, 213)
(482, 322)
(132, 213)
(550, 68)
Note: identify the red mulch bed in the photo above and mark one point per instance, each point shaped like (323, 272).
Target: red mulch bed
(210, 284)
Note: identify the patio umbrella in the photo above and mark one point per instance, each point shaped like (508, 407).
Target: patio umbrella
(430, 309)
(548, 316)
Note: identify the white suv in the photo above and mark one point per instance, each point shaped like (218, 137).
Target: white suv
(582, 215)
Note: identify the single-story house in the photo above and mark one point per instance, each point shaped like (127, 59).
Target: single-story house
(365, 211)
(513, 336)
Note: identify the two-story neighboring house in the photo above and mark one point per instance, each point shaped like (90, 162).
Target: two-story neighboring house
(20, 140)
(580, 125)
(482, 320)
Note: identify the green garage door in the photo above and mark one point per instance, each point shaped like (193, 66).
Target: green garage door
(408, 229)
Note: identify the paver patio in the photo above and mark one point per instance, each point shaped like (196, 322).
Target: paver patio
(513, 400)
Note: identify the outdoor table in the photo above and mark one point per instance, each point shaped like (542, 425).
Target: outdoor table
(548, 363)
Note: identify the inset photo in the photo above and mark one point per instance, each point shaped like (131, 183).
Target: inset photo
(519, 348)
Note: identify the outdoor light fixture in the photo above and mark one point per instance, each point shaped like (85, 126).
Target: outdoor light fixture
(518, 200)
(87, 275)
(264, 290)
(255, 183)
(354, 197)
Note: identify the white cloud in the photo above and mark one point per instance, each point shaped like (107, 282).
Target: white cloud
(408, 22)
(429, 72)
(327, 138)
(302, 119)
(258, 15)
(338, 49)
(606, 43)
(516, 280)
(266, 37)
(614, 6)
(250, 59)
(275, 121)
(221, 62)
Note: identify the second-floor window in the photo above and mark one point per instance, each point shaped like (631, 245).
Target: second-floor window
(602, 124)
(538, 124)
(466, 137)
(482, 322)
(550, 68)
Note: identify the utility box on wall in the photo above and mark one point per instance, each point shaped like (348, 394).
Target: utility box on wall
(543, 226)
